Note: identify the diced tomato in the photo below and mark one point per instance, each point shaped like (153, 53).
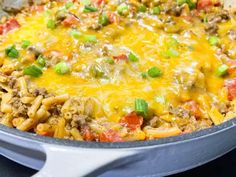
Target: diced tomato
(231, 86)
(194, 108)
(110, 136)
(1, 29)
(232, 66)
(98, 3)
(113, 18)
(120, 57)
(204, 4)
(87, 134)
(38, 8)
(8, 26)
(70, 21)
(11, 24)
(132, 121)
(207, 4)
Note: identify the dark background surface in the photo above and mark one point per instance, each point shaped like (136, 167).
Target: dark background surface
(222, 167)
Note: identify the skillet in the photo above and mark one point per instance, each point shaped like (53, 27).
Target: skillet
(161, 157)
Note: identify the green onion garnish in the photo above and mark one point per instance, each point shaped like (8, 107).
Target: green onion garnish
(156, 10)
(110, 61)
(90, 9)
(33, 71)
(12, 52)
(41, 61)
(132, 57)
(144, 75)
(213, 40)
(103, 19)
(69, 5)
(85, 2)
(171, 52)
(142, 8)
(25, 44)
(75, 34)
(89, 38)
(221, 70)
(122, 8)
(181, 2)
(51, 24)
(190, 3)
(141, 107)
(154, 72)
(97, 71)
(62, 68)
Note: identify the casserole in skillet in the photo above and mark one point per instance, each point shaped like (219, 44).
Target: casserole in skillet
(116, 71)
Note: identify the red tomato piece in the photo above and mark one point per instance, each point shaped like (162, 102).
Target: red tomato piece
(1, 29)
(232, 66)
(35, 9)
(87, 134)
(98, 3)
(204, 4)
(113, 18)
(110, 136)
(9, 25)
(194, 108)
(120, 57)
(70, 21)
(231, 86)
(132, 121)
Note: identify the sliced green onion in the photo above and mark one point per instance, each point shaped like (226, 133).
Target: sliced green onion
(103, 19)
(154, 72)
(142, 8)
(205, 19)
(51, 24)
(76, 34)
(181, 2)
(33, 71)
(156, 10)
(25, 44)
(213, 40)
(141, 107)
(110, 61)
(144, 75)
(132, 57)
(62, 68)
(171, 52)
(97, 71)
(12, 52)
(89, 38)
(221, 70)
(69, 5)
(90, 9)
(85, 2)
(41, 61)
(191, 4)
(122, 8)
(160, 99)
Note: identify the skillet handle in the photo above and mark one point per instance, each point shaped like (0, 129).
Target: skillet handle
(64, 161)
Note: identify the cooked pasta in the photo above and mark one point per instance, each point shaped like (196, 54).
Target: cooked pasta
(112, 71)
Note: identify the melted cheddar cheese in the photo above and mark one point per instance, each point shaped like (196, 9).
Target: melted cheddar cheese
(179, 47)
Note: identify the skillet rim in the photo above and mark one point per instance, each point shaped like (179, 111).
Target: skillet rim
(132, 144)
